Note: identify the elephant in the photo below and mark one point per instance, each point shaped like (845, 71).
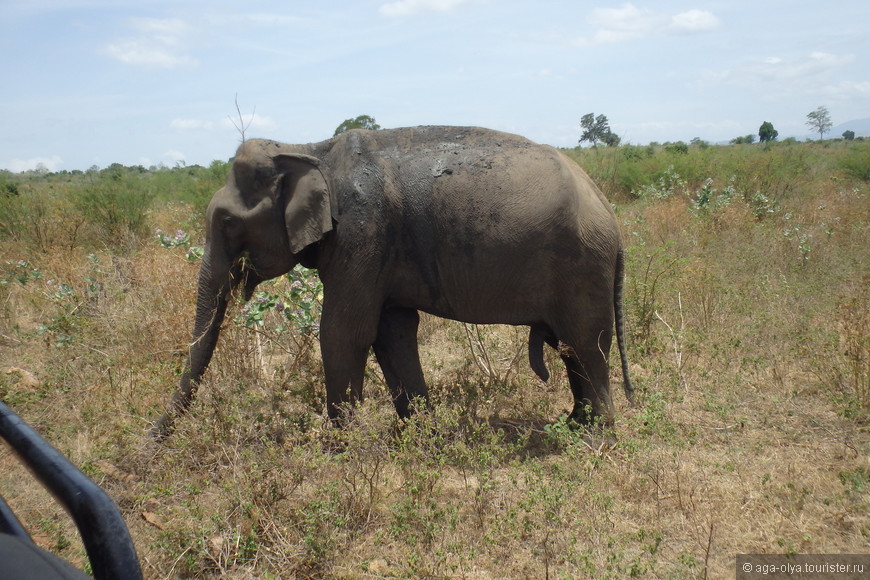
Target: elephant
(464, 223)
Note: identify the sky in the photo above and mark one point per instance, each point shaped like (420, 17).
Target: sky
(153, 82)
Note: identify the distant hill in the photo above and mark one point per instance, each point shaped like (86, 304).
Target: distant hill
(860, 126)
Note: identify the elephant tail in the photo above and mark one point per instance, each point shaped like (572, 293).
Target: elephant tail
(620, 324)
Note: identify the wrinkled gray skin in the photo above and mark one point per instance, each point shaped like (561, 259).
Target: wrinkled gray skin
(464, 223)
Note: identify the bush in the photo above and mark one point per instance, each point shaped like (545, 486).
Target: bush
(856, 162)
(679, 148)
(116, 208)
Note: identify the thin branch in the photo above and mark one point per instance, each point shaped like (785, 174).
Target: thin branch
(677, 338)
(242, 126)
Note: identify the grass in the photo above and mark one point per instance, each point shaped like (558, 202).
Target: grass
(747, 300)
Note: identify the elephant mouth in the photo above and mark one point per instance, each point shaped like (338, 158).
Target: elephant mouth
(261, 270)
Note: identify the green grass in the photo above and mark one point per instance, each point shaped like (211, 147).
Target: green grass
(747, 301)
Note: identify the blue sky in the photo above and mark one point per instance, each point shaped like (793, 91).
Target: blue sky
(93, 82)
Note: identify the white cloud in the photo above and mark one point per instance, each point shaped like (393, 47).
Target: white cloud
(166, 30)
(410, 7)
(848, 90)
(631, 23)
(250, 121)
(625, 23)
(815, 74)
(145, 54)
(827, 60)
(160, 43)
(694, 21)
(776, 69)
(33, 164)
(253, 121)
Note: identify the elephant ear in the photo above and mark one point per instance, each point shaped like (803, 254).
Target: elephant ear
(307, 206)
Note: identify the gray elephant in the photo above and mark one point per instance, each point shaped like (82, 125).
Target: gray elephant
(464, 223)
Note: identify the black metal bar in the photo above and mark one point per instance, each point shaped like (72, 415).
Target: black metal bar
(104, 532)
(9, 524)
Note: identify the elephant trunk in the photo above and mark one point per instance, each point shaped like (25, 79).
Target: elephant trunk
(211, 305)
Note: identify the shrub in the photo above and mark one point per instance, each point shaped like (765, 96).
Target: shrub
(708, 199)
(856, 162)
(679, 148)
(115, 208)
(668, 184)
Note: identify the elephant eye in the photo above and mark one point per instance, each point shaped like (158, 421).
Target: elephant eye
(228, 223)
(225, 218)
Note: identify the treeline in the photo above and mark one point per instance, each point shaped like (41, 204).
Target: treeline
(98, 207)
(770, 169)
(110, 206)
(10, 182)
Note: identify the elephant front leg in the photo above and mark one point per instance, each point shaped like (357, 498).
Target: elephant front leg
(344, 347)
(399, 358)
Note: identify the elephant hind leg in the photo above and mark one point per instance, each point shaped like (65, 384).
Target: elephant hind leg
(585, 358)
(592, 400)
(399, 358)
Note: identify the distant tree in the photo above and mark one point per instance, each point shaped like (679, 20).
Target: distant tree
(679, 148)
(820, 121)
(767, 133)
(597, 129)
(744, 140)
(700, 143)
(361, 122)
(611, 139)
(848, 135)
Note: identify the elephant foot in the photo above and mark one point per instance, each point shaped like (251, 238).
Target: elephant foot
(162, 428)
(584, 416)
(598, 429)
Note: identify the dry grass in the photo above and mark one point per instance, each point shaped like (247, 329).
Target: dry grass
(750, 434)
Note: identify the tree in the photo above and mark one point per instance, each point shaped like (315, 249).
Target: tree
(744, 140)
(680, 148)
(848, 135)
(361, 122)
(767, 133)
(820, 121)
(597, 129)
(611, 139)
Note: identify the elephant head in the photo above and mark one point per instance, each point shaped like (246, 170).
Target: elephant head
(274, 206)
